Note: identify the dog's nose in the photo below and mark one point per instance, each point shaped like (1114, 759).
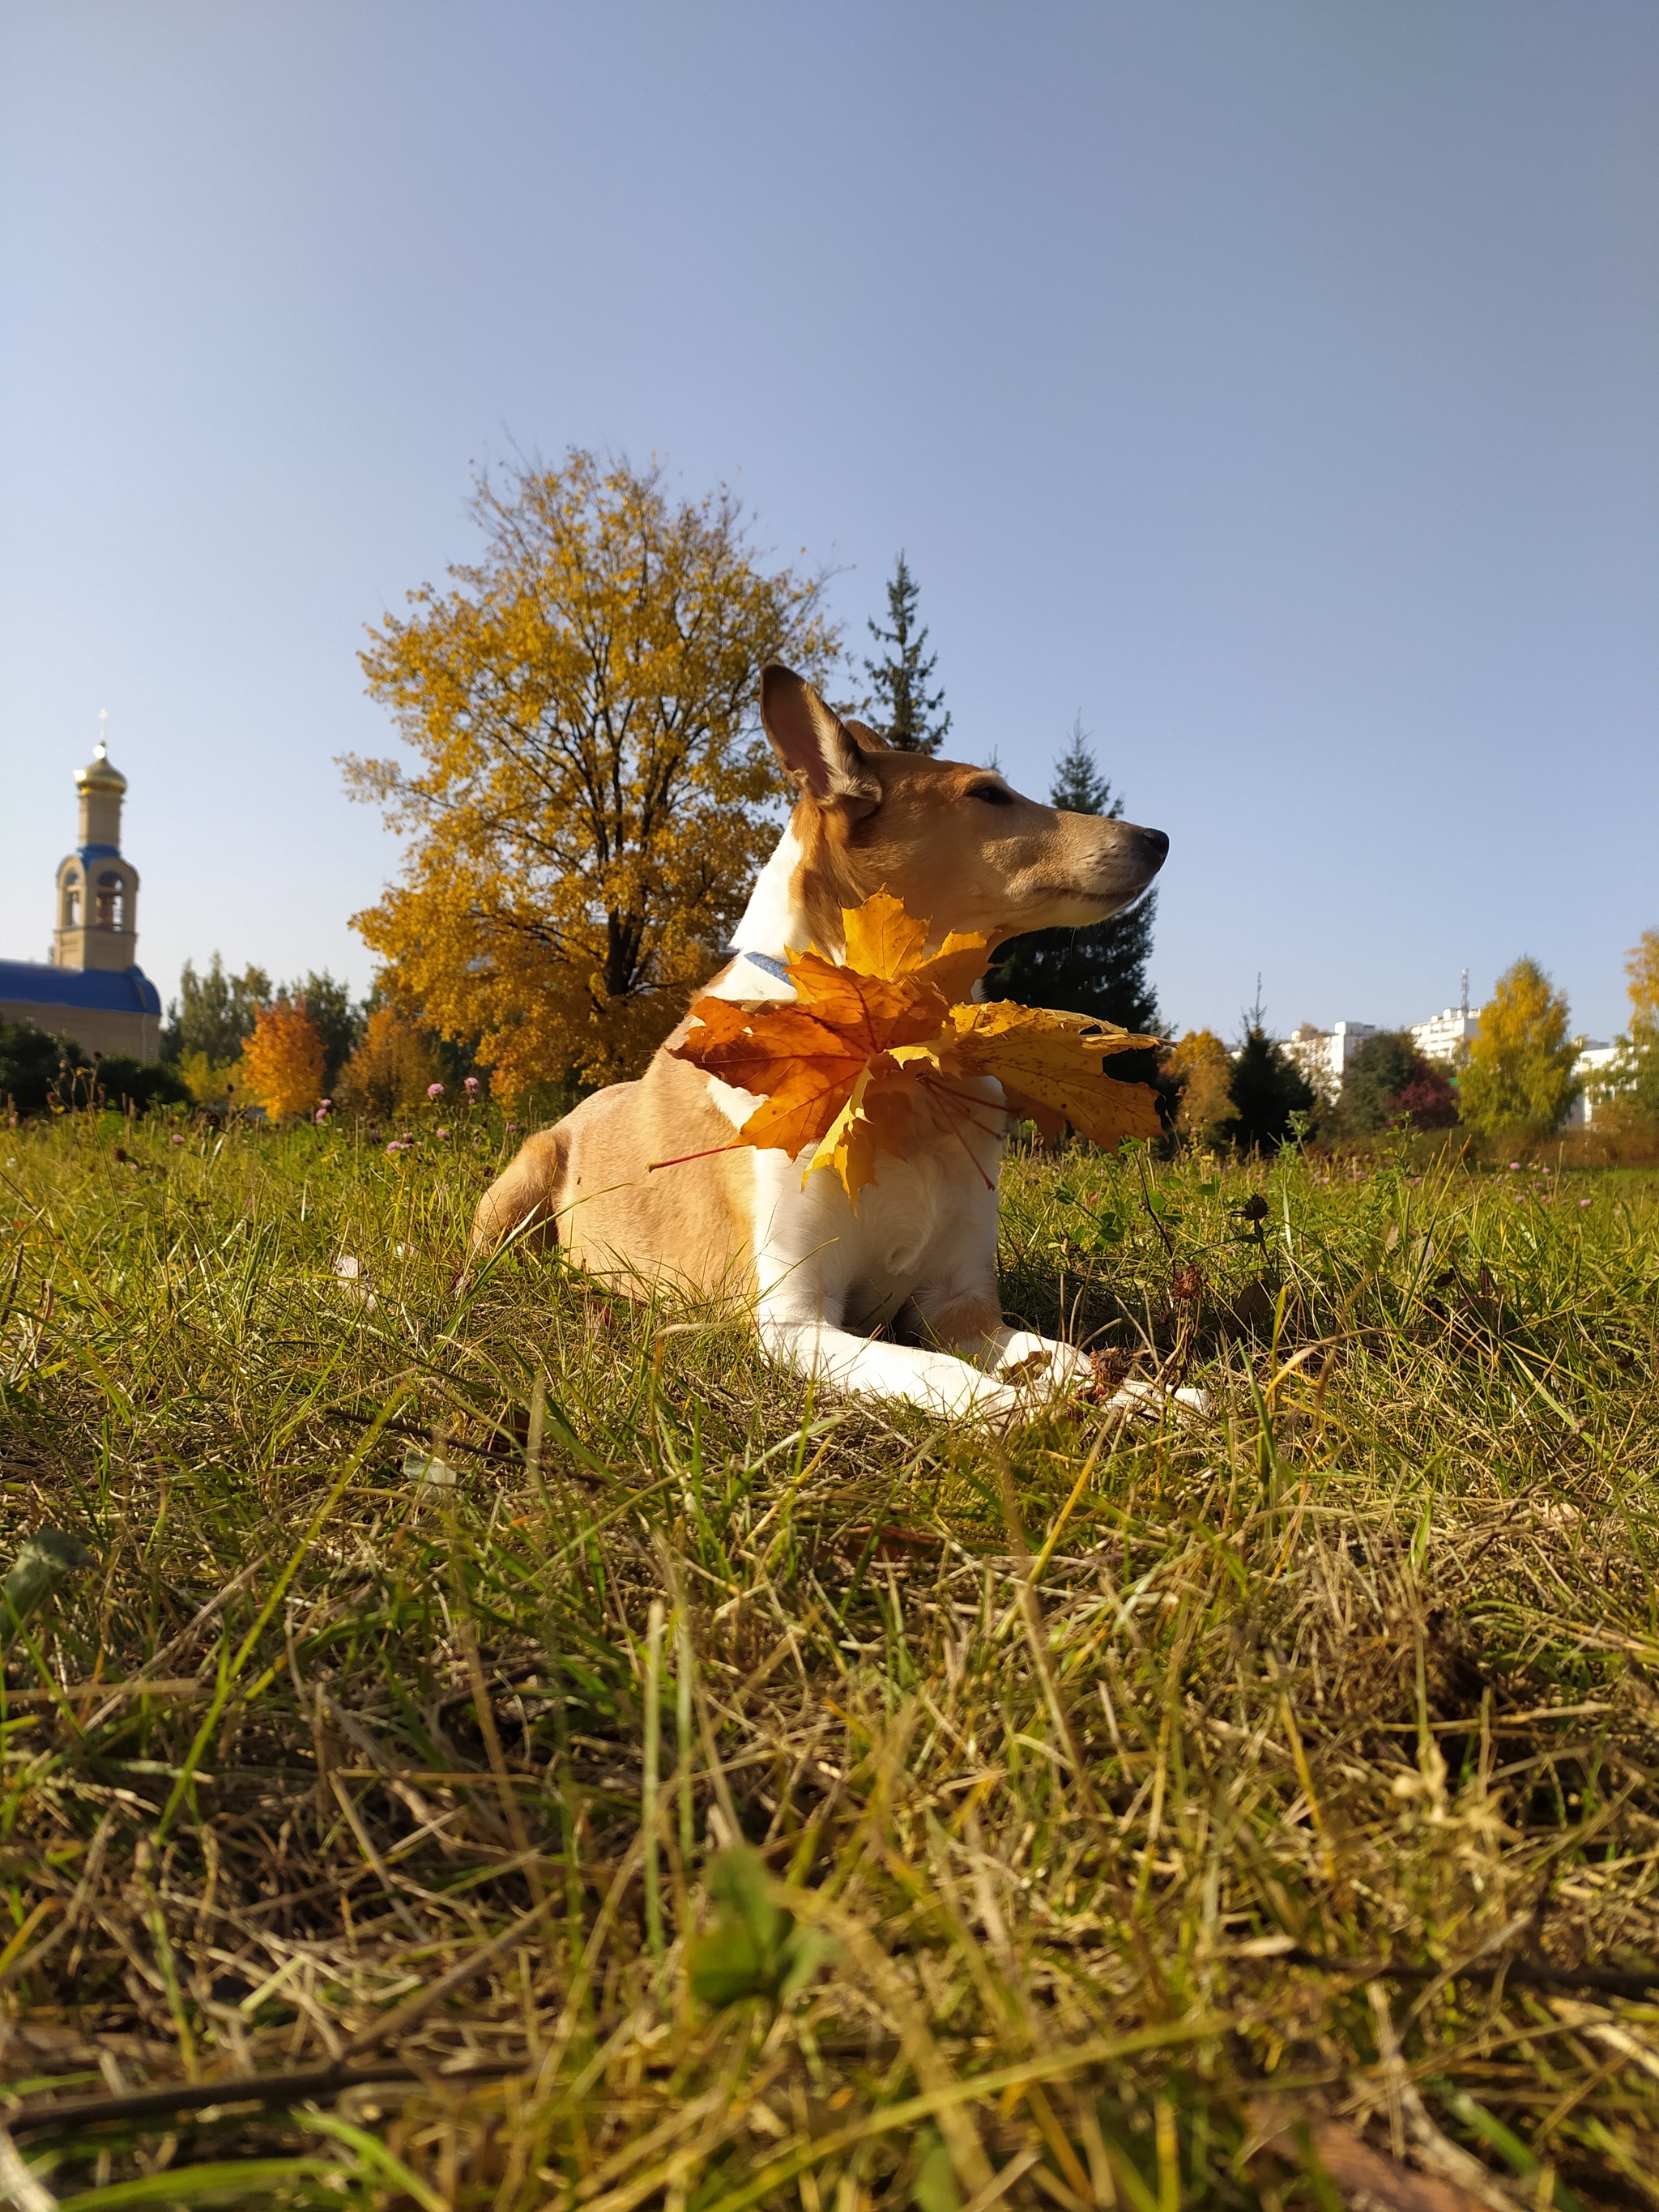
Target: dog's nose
(1158, 846)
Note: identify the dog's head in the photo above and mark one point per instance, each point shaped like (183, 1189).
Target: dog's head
(956, 844)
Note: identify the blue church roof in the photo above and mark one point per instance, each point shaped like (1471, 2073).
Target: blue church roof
(103, 990)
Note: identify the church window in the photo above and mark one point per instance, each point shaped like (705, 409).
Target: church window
(72, 904)
(111, 901)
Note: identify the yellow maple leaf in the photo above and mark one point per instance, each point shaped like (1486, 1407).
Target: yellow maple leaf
(878, 1117)
(882, 939)
(870, 1050)
(1049, 1066)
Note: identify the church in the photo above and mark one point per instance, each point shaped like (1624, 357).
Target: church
(92, 989)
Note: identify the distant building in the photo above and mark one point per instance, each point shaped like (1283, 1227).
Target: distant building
(92, 988)
(1326, 1055)
(1447, 1035)
(1592, 1057)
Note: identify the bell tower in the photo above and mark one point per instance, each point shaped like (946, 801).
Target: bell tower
(97, 890)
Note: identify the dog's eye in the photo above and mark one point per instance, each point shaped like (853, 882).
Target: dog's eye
(993, 793)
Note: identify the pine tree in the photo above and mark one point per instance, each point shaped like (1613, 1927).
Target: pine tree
(1100, 970)
(1078, 786)
(1267, 1088)
(900, 696)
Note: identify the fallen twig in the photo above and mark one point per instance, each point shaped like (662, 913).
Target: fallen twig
(266, 2089)
(1609, 1979)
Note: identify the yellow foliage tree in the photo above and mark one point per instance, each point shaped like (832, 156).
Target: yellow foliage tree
(282, 1061)
(1627, 1092)
(1204, 1068)
(592, 796)
(1519, 1078)
(208, 1081)
(1642, 969)
(389, 1071)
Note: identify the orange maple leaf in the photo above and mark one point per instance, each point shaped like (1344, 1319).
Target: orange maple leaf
(802, 1070)
(867, 1048)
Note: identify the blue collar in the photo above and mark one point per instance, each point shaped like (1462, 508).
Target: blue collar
(777, 969)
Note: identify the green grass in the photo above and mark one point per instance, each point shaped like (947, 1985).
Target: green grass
(1092, 1771)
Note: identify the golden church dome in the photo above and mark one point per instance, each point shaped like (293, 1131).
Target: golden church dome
(99, 774)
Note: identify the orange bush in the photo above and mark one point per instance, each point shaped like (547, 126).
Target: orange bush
(283, 1060)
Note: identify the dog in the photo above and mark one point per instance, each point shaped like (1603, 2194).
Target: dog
(916, 1259)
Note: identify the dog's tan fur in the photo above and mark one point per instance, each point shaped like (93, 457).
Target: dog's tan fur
(960, 848)
(588, 1182)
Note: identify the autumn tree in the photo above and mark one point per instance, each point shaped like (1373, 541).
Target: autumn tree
(1202, 1068)
(1631, 1083)
(1642, 969)
(390, 1069)
(591, 792)
(282, 1061)
(906, 712)
(336, 1018)
(1519, 1080)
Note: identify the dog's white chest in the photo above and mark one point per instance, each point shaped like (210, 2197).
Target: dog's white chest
(926, 1224)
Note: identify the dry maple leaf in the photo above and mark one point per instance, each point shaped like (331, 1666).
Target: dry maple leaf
(1049, 1066)
(868, 1050)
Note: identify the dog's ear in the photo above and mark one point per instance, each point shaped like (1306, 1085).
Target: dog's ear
(866, 740)
(814, 745)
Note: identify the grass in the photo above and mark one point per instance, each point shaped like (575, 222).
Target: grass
(1262, 1808)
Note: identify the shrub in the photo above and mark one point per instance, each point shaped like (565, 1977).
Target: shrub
(1387, 1078)
(141, 1083)
(31, 1065)
(1430, 1097)
(209, 1081)
(29, 1060)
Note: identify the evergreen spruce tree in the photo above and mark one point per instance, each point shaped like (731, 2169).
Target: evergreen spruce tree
(1078, 786)
(1267, 1088)
(899, 697)
(1100, 970)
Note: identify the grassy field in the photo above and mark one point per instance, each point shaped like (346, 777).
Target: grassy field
(572, 1772)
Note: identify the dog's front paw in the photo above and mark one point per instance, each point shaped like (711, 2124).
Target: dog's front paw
(1150, 1400)
(1036, 1366)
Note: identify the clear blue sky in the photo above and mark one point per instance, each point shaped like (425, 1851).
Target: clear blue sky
(1276, 383)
